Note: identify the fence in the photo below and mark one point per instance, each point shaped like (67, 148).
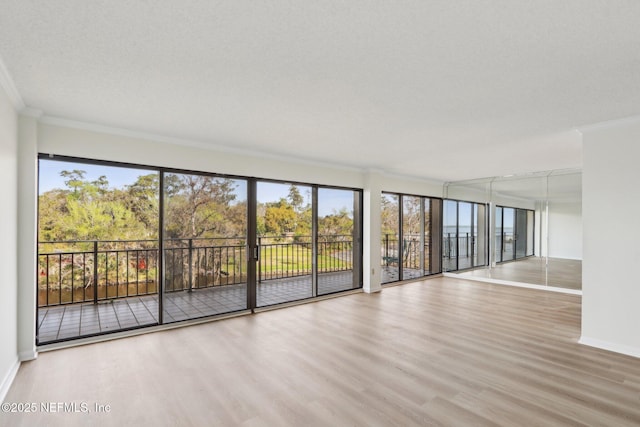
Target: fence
(81, 271)
(411, 251)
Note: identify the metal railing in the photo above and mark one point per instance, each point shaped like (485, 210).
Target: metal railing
(463, 245)
(83, 271)
(411, 253)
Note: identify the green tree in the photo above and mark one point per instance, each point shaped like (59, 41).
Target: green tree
(200, 206)
(339, 223)
(142, 199)
(389, 216)
(279, 218)
(295, 198)
(88, 210)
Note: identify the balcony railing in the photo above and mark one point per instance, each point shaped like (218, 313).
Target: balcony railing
(411, 253)
(82, 271)
(462, 245)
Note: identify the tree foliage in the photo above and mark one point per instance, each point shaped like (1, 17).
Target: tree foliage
(202, 206)
(195, 206)
(89, 210)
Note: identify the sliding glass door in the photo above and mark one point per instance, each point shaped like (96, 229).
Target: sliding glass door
(97, 249)
(465, 235)
(339, 240)
(285, 242)
(125, 246)
(408, 226)
(450, 236)
(515, 230)
(520, 236)
(205, 238)
(390, 234)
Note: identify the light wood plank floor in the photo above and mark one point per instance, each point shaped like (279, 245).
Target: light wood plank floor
(559, 272)
(442, 351)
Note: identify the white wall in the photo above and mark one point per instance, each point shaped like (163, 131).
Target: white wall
(565, 230)
(67, 138)
(71, 140)
(27, 234)
(8, 243)
(611, 231)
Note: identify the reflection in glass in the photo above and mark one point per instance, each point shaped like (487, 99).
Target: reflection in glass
(509, 218)
(520, 236)
(450, 236)
(480, 235)
(498, 234)
(543, 233)
(530, 233)
(465, 236)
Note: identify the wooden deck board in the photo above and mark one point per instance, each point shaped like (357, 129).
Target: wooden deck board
(77, 320)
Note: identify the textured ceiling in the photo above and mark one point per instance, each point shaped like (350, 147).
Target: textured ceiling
(442, 89)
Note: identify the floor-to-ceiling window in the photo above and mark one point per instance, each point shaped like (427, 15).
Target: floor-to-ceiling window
(284, 235)
(408, 226)
(339, 237)
(98, 265)
(205, 238)
(126, 246)
(465, 228)
(514, 233)
(390, 234)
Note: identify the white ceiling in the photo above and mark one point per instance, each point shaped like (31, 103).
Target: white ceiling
(447, 89)
(559, 186)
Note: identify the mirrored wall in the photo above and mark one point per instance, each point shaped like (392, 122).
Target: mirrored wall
(536, 221)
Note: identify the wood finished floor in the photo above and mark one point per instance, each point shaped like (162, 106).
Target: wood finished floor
(559, 272)
(442, 351)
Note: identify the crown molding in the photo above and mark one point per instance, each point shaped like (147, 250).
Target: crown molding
(7, 83)
(209, 146)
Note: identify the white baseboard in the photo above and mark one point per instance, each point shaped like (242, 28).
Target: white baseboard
(8, 380)
(609, 346)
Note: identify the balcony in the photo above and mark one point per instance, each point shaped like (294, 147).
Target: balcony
(93, 287)
(413, 256)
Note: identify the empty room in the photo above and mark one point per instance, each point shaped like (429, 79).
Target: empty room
(277, 213)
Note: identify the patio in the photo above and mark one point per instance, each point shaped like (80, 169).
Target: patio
(82, 319)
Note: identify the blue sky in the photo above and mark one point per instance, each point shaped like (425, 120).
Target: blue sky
(118, 177)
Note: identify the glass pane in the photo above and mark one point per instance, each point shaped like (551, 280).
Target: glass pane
(450, 236)
(390, 233)
(465, 235)
(435, 231)
(498, 236)
(412, 237)
(508, 252)
(426, 239)
(205, 229)
(521, 233)
(284, 228)
(98, 230)
(480, 235)
(338, 236)
(530, 232)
